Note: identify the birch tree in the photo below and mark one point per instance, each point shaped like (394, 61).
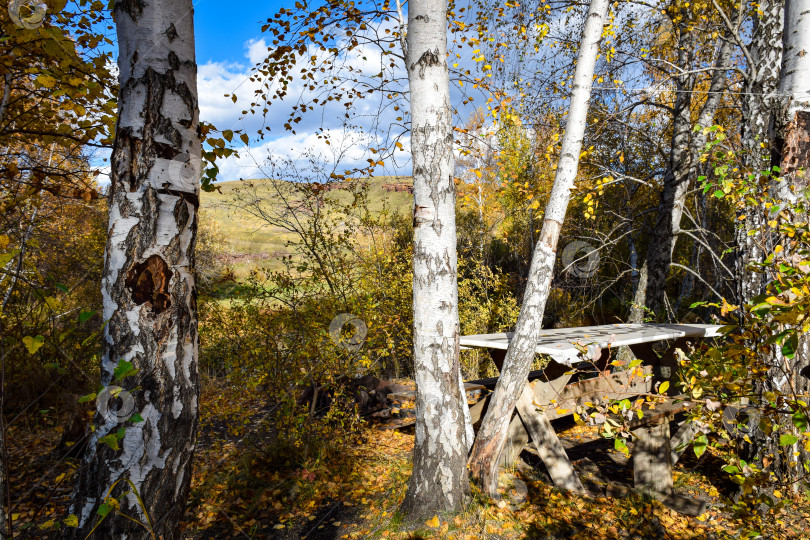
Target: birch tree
(686, 146)
(135, 474)
(789, 376)
(439, 481)
(764, 58)
(491, 437)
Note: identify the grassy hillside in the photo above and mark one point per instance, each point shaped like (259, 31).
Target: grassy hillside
(251, 242)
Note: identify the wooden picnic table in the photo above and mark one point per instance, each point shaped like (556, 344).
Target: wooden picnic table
(560, 343)
(551, 396)
(557, 390)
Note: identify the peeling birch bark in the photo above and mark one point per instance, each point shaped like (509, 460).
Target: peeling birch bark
(439, 481)
(483, 461)
(148, 289)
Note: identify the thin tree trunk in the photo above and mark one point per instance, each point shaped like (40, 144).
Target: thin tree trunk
(483, 460)
(4, 507)
(759, 102)
(439, 481)
(148, 288)
(684, 157)
(638, 309)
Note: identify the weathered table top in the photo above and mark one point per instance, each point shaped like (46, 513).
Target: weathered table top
(560, 343)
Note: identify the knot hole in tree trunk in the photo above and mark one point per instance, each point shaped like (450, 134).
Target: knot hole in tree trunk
(148, 281)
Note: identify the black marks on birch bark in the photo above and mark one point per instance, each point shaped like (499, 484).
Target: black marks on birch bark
(133, 8)
(148, 282)
(174, 62)
(428, 59)
(139, 153)
(171, 33)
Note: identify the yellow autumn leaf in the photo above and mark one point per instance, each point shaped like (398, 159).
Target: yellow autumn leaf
(47, 81)
(433, 522)
(664, 387)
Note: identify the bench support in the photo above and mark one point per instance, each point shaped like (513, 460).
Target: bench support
(652, 459)
(548, 446)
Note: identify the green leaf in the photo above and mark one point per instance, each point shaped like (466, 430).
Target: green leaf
(123, 370)
(790, 346)
(620, 445)
(88, 397)
(719, 194)
(699, 444)
(6, 257)
(800, 420)
(62, 288)
(104, 509)
(731, 469)
(110, 440)
(135, 418)
(786, 439)
(84, 316)
(33, 344)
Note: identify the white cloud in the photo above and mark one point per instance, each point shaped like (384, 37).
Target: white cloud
(256, 50)
(348, 148)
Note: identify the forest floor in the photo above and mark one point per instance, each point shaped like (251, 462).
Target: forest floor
(240, 489)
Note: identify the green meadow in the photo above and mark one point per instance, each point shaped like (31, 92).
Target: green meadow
(251, 243)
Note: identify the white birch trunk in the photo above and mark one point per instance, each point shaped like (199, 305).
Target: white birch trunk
(792, 145)
(796, 58)
(439, 481)
(760, 100)
(148, 288)
(492, 433)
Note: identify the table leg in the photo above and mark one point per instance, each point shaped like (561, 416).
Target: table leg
(548, 446)
(652, 458)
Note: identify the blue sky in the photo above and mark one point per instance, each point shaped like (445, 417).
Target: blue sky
(229, 42)
(222, 28)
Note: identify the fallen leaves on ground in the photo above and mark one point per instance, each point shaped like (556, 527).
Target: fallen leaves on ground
(240, 489)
